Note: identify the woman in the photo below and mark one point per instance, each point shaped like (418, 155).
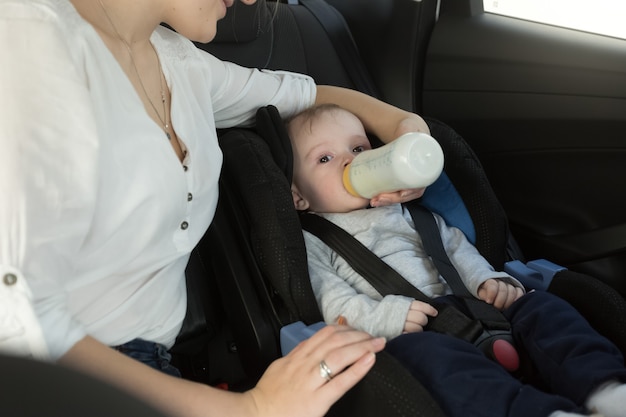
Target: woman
(109, 178)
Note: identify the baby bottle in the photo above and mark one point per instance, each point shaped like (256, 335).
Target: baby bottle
(414, 160)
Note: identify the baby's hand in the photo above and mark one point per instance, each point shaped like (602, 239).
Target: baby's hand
(417, 318)
(499, 293)
(401, 196)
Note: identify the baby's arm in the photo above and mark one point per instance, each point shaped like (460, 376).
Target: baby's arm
(340, 291)
(417, 317)
(499, 293)
(501, 290)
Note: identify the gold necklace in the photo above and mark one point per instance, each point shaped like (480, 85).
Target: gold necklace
(163, 120)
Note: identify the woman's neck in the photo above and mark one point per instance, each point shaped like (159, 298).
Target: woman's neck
(132, 21)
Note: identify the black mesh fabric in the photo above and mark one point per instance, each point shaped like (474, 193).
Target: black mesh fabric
(275, 234)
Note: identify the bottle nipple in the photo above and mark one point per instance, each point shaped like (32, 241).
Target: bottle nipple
(347, 183)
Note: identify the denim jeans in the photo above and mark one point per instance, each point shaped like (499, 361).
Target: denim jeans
(152, 354)
(571, 357)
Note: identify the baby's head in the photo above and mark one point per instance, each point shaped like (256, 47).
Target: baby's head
(325, 139)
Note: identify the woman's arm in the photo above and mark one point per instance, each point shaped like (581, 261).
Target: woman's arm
(292, 386)
(176, 397)
(387, 122)
(48, 165)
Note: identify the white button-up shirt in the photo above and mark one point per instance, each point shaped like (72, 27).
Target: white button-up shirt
(97, 213)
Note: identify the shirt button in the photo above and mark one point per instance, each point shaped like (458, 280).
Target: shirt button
(9, 279)
(189, 197)
(184, 225)
(185, 168)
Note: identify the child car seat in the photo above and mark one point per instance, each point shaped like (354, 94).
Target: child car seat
(256, 225)
(491, 238)
(228, 274)
(268, 206)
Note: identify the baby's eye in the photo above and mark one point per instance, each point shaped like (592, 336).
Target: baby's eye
(358, 149)
(325, 158)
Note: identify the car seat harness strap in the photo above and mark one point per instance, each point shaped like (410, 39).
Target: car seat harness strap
(424, 221)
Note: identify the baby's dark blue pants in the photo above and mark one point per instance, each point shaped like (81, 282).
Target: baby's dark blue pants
(571, 358)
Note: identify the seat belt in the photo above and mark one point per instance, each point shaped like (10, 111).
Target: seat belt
(489, 330)
(378, 273)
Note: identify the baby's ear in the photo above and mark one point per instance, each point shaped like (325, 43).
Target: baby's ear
(299, 202)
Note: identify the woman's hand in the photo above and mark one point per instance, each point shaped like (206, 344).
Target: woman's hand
(295, 386)
(417, 317)
(402, 196)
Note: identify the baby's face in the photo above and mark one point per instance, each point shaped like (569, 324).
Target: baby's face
(322, 149)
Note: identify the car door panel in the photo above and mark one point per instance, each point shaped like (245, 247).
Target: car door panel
(545, 110)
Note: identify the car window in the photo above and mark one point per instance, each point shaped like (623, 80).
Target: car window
(604, 17)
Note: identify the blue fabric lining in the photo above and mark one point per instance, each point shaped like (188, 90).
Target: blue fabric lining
(442, 198)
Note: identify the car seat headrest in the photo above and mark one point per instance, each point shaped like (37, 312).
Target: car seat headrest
(244, 23)
(271, 127)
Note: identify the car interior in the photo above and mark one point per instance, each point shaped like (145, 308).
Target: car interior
(531, 119)
(537, 110)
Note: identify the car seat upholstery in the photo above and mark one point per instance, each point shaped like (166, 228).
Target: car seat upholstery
(280, 37)
(34, 388)
(392, 37)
